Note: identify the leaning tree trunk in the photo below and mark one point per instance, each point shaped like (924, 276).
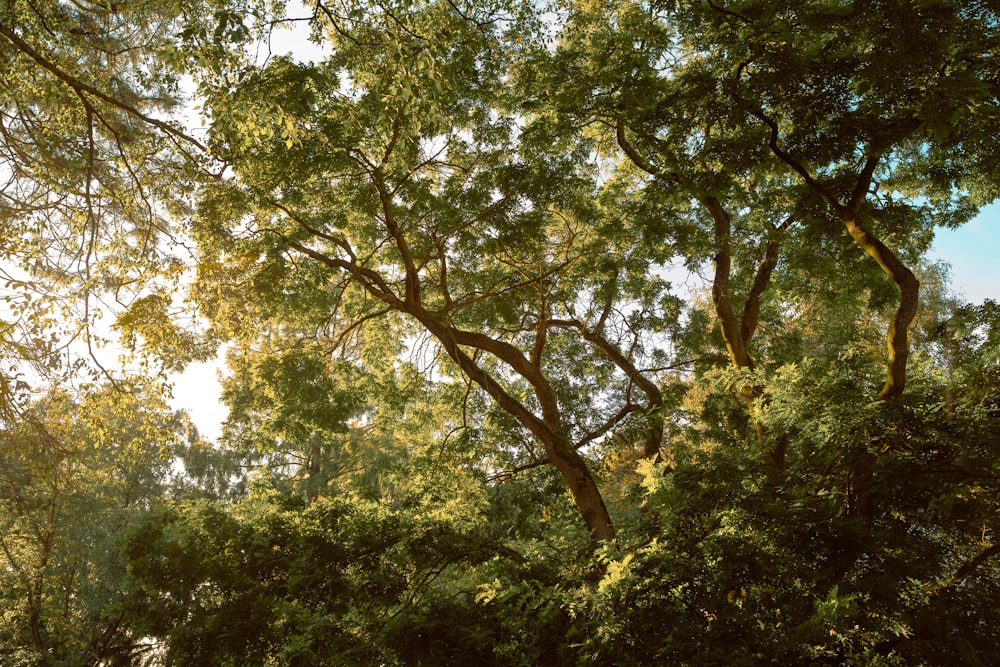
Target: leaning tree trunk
(547, 429)
(909, 288)
(850, 213)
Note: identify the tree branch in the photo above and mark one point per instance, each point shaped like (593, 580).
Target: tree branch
(751, 307)
(731, 326)
(969, 567)
(81, 87)
(392, 226)
(909, 290)
(797, 166)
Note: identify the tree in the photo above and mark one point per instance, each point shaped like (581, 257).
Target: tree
(438, 255)
(715, 564)
(415, 191)
(853, 138)
(765, 122)
(75, 474)
(92, 175)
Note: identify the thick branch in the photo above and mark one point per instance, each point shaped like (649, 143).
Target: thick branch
(515, 358)
(370, 280)
(751, 307)
(339, 242)
(541, 337)
(909, 289)
(547, 429)
(651, 446)
(560, 451)
(967, 569)
(638, 160)
(731, 327)
(633, 155)
(392, 226)
(453, 336)
(863, 185)
(797, 166)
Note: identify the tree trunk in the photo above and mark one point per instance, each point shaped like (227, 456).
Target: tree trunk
(860, 504)
(548, 431)
(737, 332)
(909, 288)
(586, 495)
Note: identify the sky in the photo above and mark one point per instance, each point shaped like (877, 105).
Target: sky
(973, 251)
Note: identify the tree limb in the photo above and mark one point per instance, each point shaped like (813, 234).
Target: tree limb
(81, 87)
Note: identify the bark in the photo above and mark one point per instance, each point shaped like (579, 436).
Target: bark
(897, 337)
(547, 429)
(738, 331)
(909, 287)
(730, 323)
(860, 482)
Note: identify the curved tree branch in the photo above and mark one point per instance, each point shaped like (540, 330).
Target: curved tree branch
(896, 338)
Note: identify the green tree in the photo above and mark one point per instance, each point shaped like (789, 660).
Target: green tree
(764, 129)
(418, 191)
(75, 474)
(438, 254)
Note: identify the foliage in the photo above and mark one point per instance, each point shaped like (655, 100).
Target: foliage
(77, 473)
(720, 562)
(472, 417)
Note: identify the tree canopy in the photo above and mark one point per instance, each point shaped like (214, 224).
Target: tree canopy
(556, 333)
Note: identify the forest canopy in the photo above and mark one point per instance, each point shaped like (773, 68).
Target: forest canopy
(570, 332)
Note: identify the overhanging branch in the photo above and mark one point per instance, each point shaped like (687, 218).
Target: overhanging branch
(84, 88)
